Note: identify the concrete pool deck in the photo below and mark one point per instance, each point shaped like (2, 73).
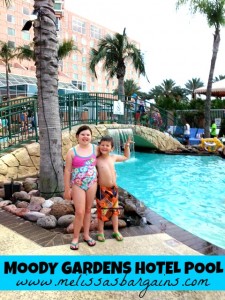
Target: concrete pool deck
(13, 243)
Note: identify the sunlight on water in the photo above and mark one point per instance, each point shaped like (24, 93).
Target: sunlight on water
(186, 190)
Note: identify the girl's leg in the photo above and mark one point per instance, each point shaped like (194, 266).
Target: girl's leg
(78, 196)
(90, 195)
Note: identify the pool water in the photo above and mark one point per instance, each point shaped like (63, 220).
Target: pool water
(186, 190)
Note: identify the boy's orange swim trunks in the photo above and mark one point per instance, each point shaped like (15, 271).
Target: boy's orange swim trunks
(107, 202)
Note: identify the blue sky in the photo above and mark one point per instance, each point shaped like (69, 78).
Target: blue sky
(176, 44)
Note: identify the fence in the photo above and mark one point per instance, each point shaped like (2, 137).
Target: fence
(19, 122)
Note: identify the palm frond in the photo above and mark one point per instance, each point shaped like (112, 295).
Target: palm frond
(66, 48)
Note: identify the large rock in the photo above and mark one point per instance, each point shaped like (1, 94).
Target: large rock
(33, 216)
(22, 204)
(21, 196)
(65, 221)
(37, 200)
(10, 208)
(21, 212)
(5, 203)
(61, 209)
(47, 222)
(29, 185)
(47, 204)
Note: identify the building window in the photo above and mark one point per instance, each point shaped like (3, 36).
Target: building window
(26, 11)
(26, 35)
(95, 32)
(74, 38)
(84, 51)
(92, 44)
(92, 88)
(58, 24)
(84, 79)
(10, 18)
(11, 7)
(58, 6)
(75, 76)
(75, 67)
(84, 60)
(80, 85)
(11, 44)
(84, 69)
(83, 41)
(75, 57)
(78, 26)
(11, 31)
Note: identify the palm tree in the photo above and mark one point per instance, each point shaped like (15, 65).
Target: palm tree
(65, 49)
(7, 2)
(214, 12)
(46, 61)
(218, 78)
(7, 53)
(130, 88)
(191, 85)
(115, 51)
(168, 95)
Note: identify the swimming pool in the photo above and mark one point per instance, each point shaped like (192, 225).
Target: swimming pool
(186, 190)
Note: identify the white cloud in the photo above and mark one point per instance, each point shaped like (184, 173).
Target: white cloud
(176, 44)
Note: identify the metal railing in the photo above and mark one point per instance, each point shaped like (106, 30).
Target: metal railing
(19, 122)
(18, 119)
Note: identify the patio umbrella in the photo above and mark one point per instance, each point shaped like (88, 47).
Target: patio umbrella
(218, 89)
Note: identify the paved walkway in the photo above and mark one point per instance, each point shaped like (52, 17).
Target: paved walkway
(12, 243)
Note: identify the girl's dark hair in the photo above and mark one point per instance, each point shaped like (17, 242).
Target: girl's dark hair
(82, 128)
(107, 138)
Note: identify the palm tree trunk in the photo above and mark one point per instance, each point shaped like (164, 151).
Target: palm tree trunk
(46, 60)
(216, 42)
(121, 87)
(7, 79)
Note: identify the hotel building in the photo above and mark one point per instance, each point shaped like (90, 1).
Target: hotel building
(73, 69)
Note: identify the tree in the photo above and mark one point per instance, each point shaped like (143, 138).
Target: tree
(7, 2)
(65, 49)
(115, 51)
(193, 84)
(7, 53)
(50, 137)
(220, 77)
(168, 95)
(130, 88)
(214, 12)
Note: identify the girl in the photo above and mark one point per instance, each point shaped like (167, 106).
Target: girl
(81, 173)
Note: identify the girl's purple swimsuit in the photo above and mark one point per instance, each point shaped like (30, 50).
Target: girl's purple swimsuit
(84, 172)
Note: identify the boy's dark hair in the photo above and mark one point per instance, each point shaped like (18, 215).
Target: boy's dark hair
(107, 138)
(82, 128)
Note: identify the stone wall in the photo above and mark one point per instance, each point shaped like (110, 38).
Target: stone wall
(24, 162)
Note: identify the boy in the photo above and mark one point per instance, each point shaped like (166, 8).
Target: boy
(107, 190)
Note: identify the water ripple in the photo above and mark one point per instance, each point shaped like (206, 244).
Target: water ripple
(187, 190)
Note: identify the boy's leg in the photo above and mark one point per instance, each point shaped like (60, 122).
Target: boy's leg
(116, 234)
(115, 223)
(100, 234)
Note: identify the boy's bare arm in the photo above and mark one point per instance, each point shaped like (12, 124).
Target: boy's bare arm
(126, 151)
